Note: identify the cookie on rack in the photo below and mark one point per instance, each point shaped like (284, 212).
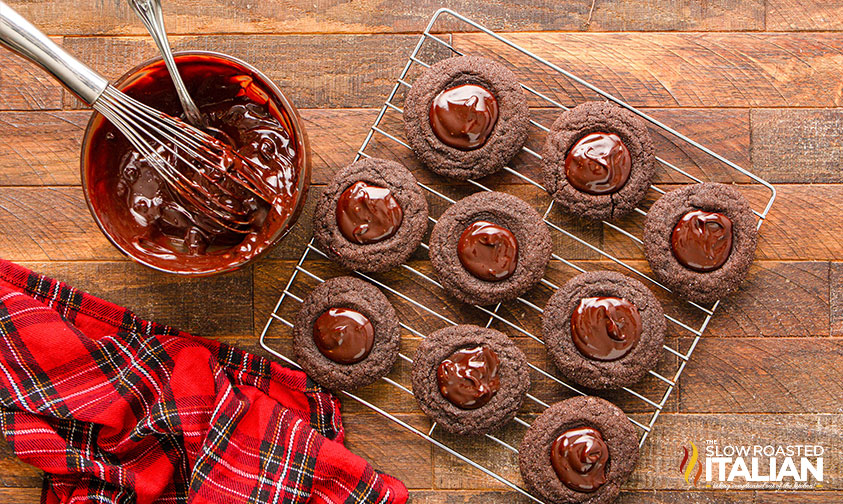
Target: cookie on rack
(489, 247)
(371, 217)
(346, 334)
(470, 379)
(598, 160)
(603, 330)
(580, 450)
(700, 240)
(466, 117)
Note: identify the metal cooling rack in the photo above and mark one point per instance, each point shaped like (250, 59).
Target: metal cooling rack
(443, 48)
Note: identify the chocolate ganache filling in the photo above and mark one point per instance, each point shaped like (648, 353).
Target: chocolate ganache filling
(468, 378)
(368, 213)
(605, 328)
(240, 113)
(343, 335)
(599, 163)
(702, 241)
(464, 116)
(488, 251)
(579, 457)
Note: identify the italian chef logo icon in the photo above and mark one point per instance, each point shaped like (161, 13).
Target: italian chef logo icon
(691, 467)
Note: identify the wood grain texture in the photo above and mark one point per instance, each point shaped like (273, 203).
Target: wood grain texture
(53, 223)
(791, 231)
(626, 497)
(836, 298)
(801, 497)
(23, 86)
(41, 148)
(20, 495)
(787, 15)
(681, 70)
(660, 457)
(324, 71)
(73, 17)
(398, 451)
(763, 375)
(169, 299)
(798, 145)
(724, 130)
(777, 299)
(14, 472)
(50, 224)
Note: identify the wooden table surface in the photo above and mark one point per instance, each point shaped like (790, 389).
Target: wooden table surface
(760, 81)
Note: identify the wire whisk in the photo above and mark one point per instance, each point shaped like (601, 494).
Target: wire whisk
(190, 161)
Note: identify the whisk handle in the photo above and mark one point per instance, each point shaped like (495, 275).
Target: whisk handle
(22, 37)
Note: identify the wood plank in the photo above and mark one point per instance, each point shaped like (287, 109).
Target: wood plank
(766, 306)
(41, 148)
(50, 224)
(658, 69)
(763, 375)
(24, 86)
(373, 16)
(658, 466)
(788, 15)
(836, 298)
(16, 473)
(726, 131)
(814, 497)
(169, 299)
(797, 145)
(777, 299)
(791, 232)
(626, 497)
(318, 71)
(20, 495)
(390, 448)
(678, 69)
(685, 496)
(773, 301)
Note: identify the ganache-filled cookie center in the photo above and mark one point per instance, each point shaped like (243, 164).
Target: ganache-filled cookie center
(468, 378)
(702, 241)
(488, 251)
(343, 335)
(605, 328)
(368, 213)
(464, 116)
(598, 163)
(579, 457)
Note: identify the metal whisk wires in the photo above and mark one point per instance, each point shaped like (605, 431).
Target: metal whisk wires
(172, 147)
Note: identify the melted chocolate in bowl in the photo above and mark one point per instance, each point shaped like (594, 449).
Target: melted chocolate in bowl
(151, 223)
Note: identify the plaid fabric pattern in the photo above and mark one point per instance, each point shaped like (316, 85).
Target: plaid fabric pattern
(116, 409)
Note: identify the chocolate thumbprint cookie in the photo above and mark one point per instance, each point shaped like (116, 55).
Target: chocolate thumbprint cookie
(700, 240)
(489, 247)
(580, 450)
(598, 160)
(371, 216)
(603, 330)
(346, 334)
(466, 117)
(469, 379)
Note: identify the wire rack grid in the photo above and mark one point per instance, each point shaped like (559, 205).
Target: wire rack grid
(654, 405)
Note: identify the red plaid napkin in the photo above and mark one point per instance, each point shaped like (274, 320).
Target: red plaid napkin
(120, 410)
